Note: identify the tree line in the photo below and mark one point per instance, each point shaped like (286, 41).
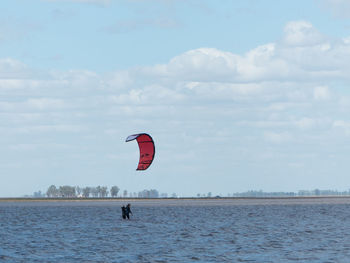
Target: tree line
(103, 192)
(67, 191)
(300, 193)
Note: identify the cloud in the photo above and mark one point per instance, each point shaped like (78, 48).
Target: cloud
(50, 128)
(275, 137)
(343, 126)
(322, 93)
(280, 99)
(14, 69)
(276, 76)
(301, 33)
(202, 64)
(45, 103)
(36, 147)
(150, 94)
(305, 123)
(121, 80)
(303, 54)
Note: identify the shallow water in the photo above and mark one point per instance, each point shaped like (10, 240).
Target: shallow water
(174, 232)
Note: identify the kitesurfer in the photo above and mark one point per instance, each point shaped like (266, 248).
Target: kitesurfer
(124, 212)
(128, 211)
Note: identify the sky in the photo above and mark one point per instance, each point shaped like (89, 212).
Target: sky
(237, 95)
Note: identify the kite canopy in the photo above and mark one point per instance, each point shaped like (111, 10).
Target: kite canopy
(147, 149)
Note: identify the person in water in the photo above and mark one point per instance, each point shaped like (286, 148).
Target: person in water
(126, 211)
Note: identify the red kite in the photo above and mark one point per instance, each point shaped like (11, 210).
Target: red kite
(147, 149)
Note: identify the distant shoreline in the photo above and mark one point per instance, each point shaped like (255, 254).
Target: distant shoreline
(163, 199)
(184, 201)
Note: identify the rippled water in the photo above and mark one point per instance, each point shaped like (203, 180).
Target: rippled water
(174, 232)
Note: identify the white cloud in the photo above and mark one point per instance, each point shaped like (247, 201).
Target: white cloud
(275, 77)
(46, 103)
(121, 80)
(280, 94)
(203, 64)
(322, 93)
(315, 124)
(36, 147)
(342, 125)
(306, 123)
(278, 137)
(301, 33)
(13, 69)
(50, 128)
(153, 94)
(34, 104)
(303, 54)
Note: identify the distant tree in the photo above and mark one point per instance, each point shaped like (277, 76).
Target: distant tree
(114, 191)
(144, 194)
(125, 193)
(149, 194)
(98, 191)
(104, 191)
(86, 192)
(209, 194)
(52, 191)
(67, 191)
(154, 193)
(78, 190)
(94, 191)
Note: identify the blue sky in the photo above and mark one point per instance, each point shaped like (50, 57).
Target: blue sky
(238, 95)
(108, 35)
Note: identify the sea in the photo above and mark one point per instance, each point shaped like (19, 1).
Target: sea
(176, 230)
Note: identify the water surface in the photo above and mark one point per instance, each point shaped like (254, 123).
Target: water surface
(264, 230)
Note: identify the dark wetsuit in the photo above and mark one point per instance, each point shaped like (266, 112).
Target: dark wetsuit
(124, 212)
(128, 211)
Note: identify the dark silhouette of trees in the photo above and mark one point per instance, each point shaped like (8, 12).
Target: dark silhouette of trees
(77, 191)
(52, 191)
(103, 191)
(86, 192)
(67, 191)
(149, 194)
(114, 191)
